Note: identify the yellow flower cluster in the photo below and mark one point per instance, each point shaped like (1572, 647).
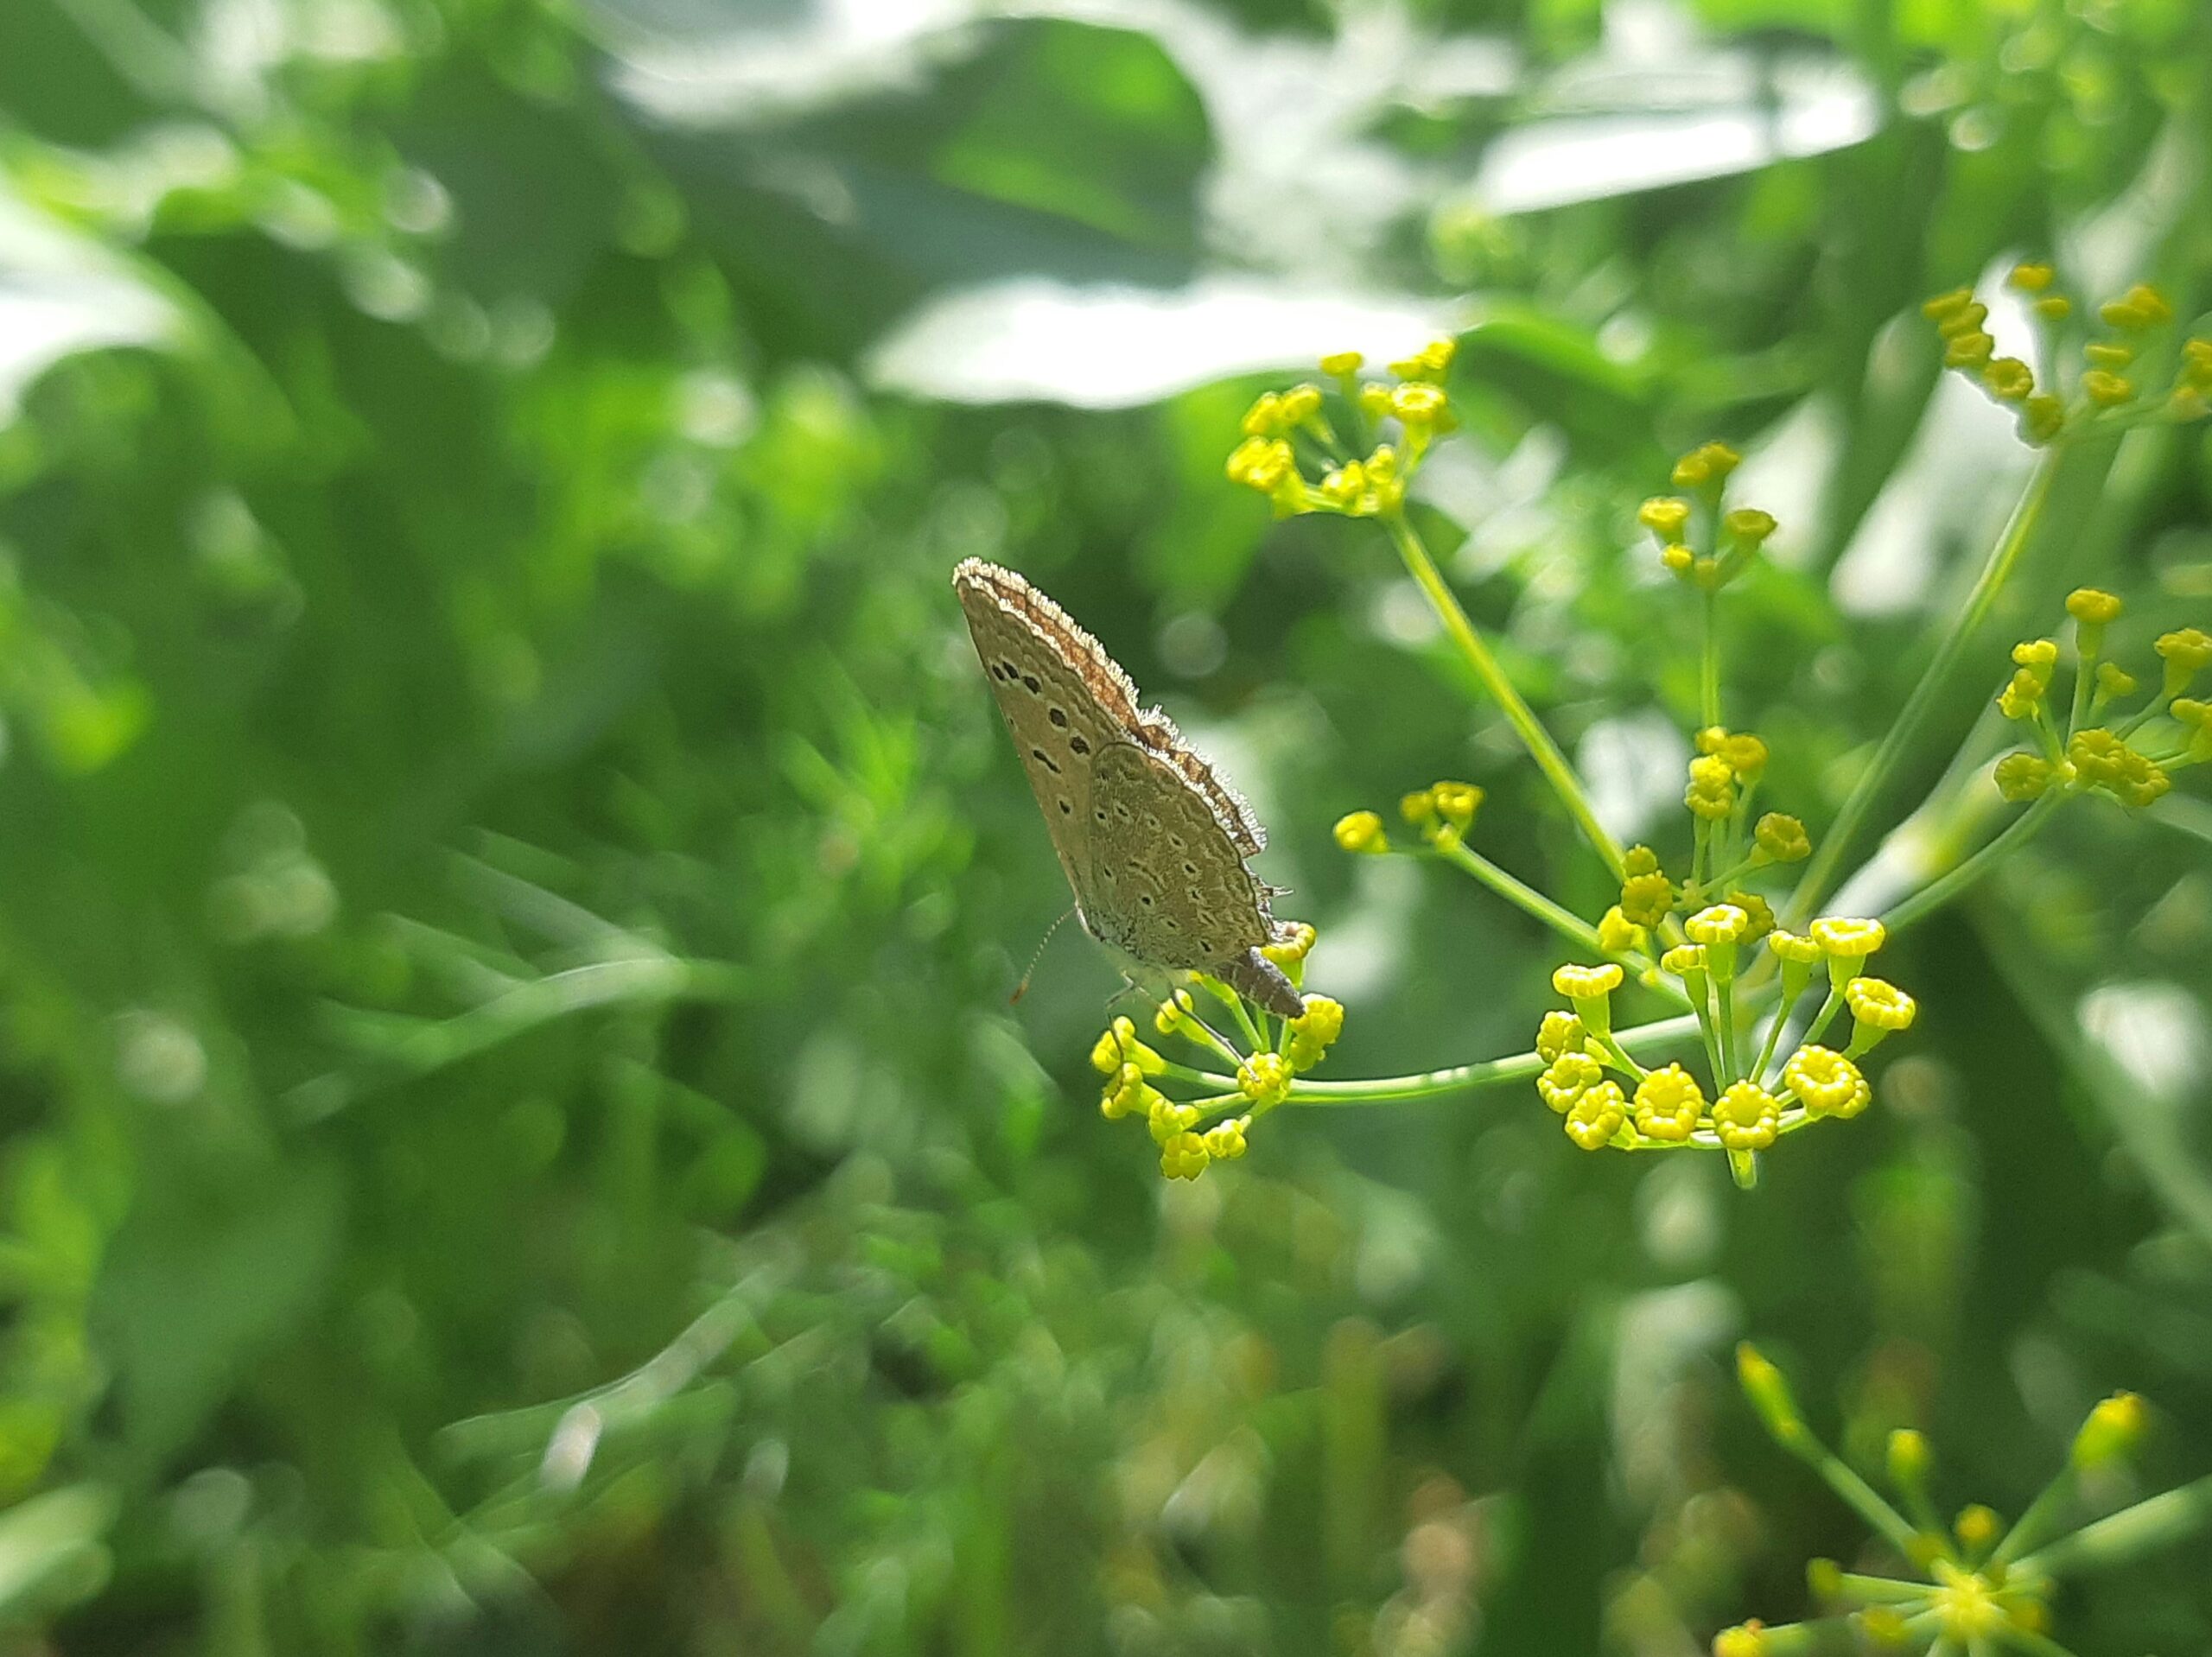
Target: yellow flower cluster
(2075, 749)
(2109, 384)
(1192, 1134)
(1977, 1584)
(1355, 472)
(1668, 1107)
(1698, 539)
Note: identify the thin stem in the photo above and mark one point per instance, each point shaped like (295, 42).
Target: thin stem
(1937, 893)
(1709, 666)
(1880, 1590)
(2033, 1525)
(2036, 1644)
(1862, 1496)
(2004, 559)
(2128, 1533)
(1758, 1072)
(1533, 737)
(1564, 921)
(1520, 1067)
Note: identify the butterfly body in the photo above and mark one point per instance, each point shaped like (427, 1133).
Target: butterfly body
(1153, 840)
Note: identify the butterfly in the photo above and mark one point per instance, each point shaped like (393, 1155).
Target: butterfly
(1151, 837)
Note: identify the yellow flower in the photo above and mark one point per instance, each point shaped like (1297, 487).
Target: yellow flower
(2196, 718)
(1597, 1116)
(1581, 984)
(1969, 348)
(1646, 896)
(1782, 838)
(2108, 354)
(1665, 516)
(1669, 1103)
(1618, 934)
(1128, 1093)
(1375, 400)
(2107, 762)
(1344, 486)
(1263, 463)
(1707, 463)
(2031, 278)
(1184, 1156)
(2115, 681)
(2039, 655)
(1225, 1140)
(1170, 1013)
(1314, 1031)
(1718, 924)
(1759, 914)
(1432, 361)
(1745, 754)
(1166, 1119)
(1566, 1078)
(2022, 776)
(2114, 1429)
(1744, 1640)
(1418, 404)
(1456, 802)
(1362, 831)
(2042, 416)
(2186, 653)
(1301, 404)
(1264, 418)
(2105, 388)
(1976, 1528)
(2009, 379)
(1639, 860)
(2140, 307)
(1560, 1032)
(1794, 947)
(1826, 1083)
(1749, 525)
(1712, 792)
(1944, 307)
(2093, 607)
(1293, 941)
(1879, 1005)
(1842, 939)
(1120, 1045)
(1683, 960)
(1747, 1117)
(1418, 808)
(1264, 1079)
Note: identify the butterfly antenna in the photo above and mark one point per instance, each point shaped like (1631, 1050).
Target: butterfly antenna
(1029, 972)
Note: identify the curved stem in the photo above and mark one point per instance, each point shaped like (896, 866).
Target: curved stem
(1562, 920)
(1519, 1067)
(1533, 737)
(2128, 1534)
(2004, 558)
(1939, 891)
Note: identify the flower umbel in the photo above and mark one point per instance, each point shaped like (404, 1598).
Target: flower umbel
(1980, 1584)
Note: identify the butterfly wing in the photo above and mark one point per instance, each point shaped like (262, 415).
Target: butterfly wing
(1172, 889)
(1063, 701)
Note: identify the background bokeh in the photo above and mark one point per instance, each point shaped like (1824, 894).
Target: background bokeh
(513, 1137)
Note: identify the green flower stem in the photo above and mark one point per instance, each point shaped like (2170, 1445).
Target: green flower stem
(2128, 1534)
(1520, 1067)
(1522, 896)
(1861, 1496)
(1709, 666)
(1825, 1017)
(1881, 1591)
(1533, 737)
(1230, 999)
(1214, 1040)
(2004, 559)
(1198, 1077)
(1757, 1071)
(1941, 891)
(2036, 1523)
(1723, 995)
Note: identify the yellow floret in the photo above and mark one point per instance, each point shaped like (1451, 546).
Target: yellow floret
(1362, 831)
(1597, 1116)
(1781, 837)
(1846, 939)
(1718, 924)
(1747, 1117)
(1560, 1032)
(1184, 1156)
(1826, 1083)
(1668, 1103)
(1879, 1004)
(1581, 983)
(1566, 1078)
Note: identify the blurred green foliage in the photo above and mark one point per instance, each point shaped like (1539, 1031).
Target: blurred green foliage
(514, 1139)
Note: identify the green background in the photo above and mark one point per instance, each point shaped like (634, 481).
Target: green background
(513, 1137)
